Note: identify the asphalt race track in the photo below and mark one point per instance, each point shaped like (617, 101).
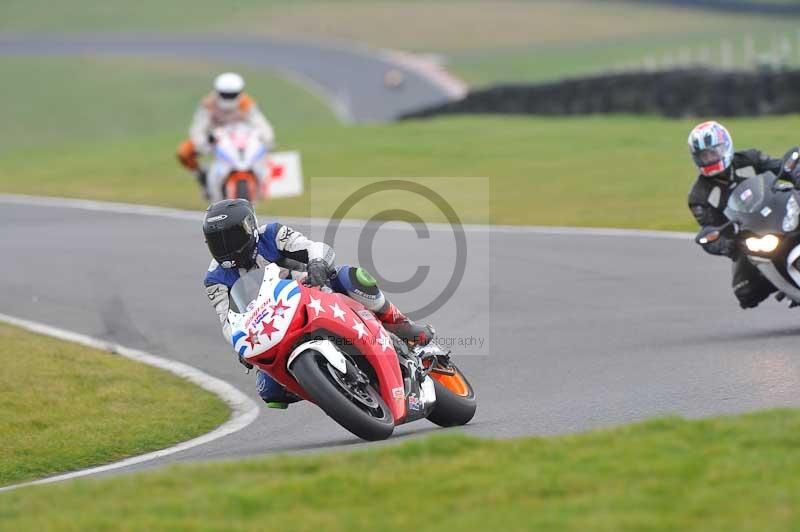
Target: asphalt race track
(583, 330)
(350, 79)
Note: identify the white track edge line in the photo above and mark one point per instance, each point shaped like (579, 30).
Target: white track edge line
(243, 409)
(180, 214)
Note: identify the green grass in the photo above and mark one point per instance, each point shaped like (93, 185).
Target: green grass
(121, 15)
(731, 473)
(414, 24)
(64, 407)
(78, 101)
(596, 171)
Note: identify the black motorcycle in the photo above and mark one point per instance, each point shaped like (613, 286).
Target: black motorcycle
(764, 215)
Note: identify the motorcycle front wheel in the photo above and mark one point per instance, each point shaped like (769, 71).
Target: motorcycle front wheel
(355, 406)
(243, 190)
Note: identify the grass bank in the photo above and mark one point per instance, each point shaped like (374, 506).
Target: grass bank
(731, 473)
(65, 407)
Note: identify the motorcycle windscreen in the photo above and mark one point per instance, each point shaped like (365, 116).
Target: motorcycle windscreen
(748, 196)
(245, 290)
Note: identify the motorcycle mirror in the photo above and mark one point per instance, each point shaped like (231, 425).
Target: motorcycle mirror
(707, 237)
(711, 234)
(791, 163)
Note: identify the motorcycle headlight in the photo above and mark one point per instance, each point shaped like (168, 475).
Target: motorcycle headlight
(765, 244)
(792, 218)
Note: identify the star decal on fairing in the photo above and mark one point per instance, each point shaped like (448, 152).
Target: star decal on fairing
(338, 313)
(279, 309)
(267, 328)
(316, 305)
(359, 328)
(252, 338)
(384, 340)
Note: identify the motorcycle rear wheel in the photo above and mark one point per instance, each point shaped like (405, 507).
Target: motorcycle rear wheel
(362, 411)
(455, 398)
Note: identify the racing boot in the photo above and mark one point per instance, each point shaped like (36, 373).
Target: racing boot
(272, 393)
(399, 324)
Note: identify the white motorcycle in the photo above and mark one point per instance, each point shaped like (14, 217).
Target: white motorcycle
(239, 167)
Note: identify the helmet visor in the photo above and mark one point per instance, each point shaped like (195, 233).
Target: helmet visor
(229, 243)
(709, 156)
(229, 95)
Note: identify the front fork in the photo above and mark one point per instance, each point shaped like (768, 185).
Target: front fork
(415, 366)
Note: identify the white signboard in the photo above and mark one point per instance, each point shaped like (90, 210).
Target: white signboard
(284, 177)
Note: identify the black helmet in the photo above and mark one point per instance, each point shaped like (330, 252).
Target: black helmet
(231, 233)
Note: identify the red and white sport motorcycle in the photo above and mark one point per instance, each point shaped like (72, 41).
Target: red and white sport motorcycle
(329, 349)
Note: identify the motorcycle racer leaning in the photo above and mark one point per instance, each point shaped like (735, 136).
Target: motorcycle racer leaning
(239, 245)
(226, 104)
(721, 170)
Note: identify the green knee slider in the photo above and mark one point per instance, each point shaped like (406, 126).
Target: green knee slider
(364, 277)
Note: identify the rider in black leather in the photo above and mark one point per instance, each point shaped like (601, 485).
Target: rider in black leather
(709, 196)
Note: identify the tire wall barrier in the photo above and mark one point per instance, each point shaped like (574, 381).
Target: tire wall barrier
(733, 6)
(677, 93)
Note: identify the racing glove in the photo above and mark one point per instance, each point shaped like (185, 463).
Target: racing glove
(724, 246)
(318, 273)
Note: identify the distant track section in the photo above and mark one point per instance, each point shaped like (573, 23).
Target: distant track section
(352, 80)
